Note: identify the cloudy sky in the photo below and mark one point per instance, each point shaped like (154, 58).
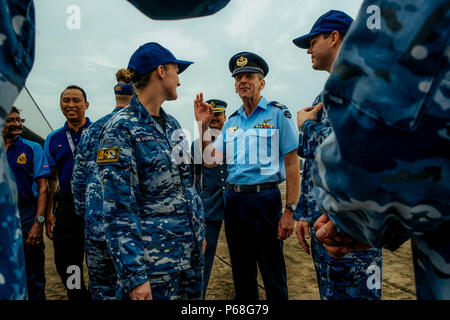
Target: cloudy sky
(111, 30)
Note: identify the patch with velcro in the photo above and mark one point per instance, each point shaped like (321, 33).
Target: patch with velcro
(108, 155)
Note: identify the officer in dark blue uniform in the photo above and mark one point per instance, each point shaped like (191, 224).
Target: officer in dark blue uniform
(30, 169)
(68, 232)
(261, 140)
(210, 182)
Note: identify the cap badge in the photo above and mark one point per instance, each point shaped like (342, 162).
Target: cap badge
(242, 61)
(212, 104)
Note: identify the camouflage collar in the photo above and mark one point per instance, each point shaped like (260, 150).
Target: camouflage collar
(142, 114)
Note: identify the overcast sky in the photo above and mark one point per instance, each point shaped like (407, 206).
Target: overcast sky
(111, 30)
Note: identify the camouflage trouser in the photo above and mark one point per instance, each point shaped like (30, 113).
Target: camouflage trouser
(183, 285)
(352, 277)
(13, 281)
(102, 274)
(431, 256)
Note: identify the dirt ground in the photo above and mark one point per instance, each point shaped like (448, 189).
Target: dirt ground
(398, 273)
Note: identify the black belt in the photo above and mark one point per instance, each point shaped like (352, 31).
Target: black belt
(252, 188)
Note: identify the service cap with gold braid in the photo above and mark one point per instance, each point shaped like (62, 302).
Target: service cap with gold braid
(247, 62)
(218, 105)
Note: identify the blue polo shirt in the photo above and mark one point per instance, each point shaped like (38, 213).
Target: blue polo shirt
(256, 145)
(28, 163)
(59, 154)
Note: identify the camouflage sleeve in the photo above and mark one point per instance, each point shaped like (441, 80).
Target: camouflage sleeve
(383, 175)
(80, 174)
(301, 213)
(118, 173)
(311, 136)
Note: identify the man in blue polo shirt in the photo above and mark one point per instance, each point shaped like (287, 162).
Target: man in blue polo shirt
(64, 226)
(30, 168)
(261, 141)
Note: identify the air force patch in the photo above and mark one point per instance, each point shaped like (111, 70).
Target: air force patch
(108, 155)
(287, 114)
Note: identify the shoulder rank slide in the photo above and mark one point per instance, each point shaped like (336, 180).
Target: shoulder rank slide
(278, 105)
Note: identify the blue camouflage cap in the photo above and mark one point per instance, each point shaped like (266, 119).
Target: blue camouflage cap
(151, 55)
(247, 62)
(333, 20)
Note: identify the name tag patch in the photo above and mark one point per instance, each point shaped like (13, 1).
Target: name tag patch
(145, 139)
(108, 155)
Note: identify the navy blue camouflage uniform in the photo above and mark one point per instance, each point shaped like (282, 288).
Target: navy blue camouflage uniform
(17, 44)
(154, 219)
(16, 59)
(344, 278)
(383, 176)
(88, 199)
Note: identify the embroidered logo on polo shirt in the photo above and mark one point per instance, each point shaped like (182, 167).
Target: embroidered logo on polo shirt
(22, 159)
(108, 155)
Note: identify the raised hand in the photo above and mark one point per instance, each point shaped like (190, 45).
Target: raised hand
(203, 111)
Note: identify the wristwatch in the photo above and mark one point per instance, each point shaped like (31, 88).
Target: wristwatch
(40, 219)
(291, 207)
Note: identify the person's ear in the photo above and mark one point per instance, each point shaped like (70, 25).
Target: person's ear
(160, 71)
(263, 83)
(335, 38)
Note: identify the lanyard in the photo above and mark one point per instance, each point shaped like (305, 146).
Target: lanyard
(71, 144)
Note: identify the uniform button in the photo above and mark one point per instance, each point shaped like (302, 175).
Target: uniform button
(223, 188)
(221, 171)
(222, 179)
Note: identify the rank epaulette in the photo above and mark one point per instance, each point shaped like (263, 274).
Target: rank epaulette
(278, 105)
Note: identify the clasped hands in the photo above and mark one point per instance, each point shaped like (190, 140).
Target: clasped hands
(337, 245)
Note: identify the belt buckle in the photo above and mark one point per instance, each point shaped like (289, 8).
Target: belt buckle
(258, 188)
(237, 189)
